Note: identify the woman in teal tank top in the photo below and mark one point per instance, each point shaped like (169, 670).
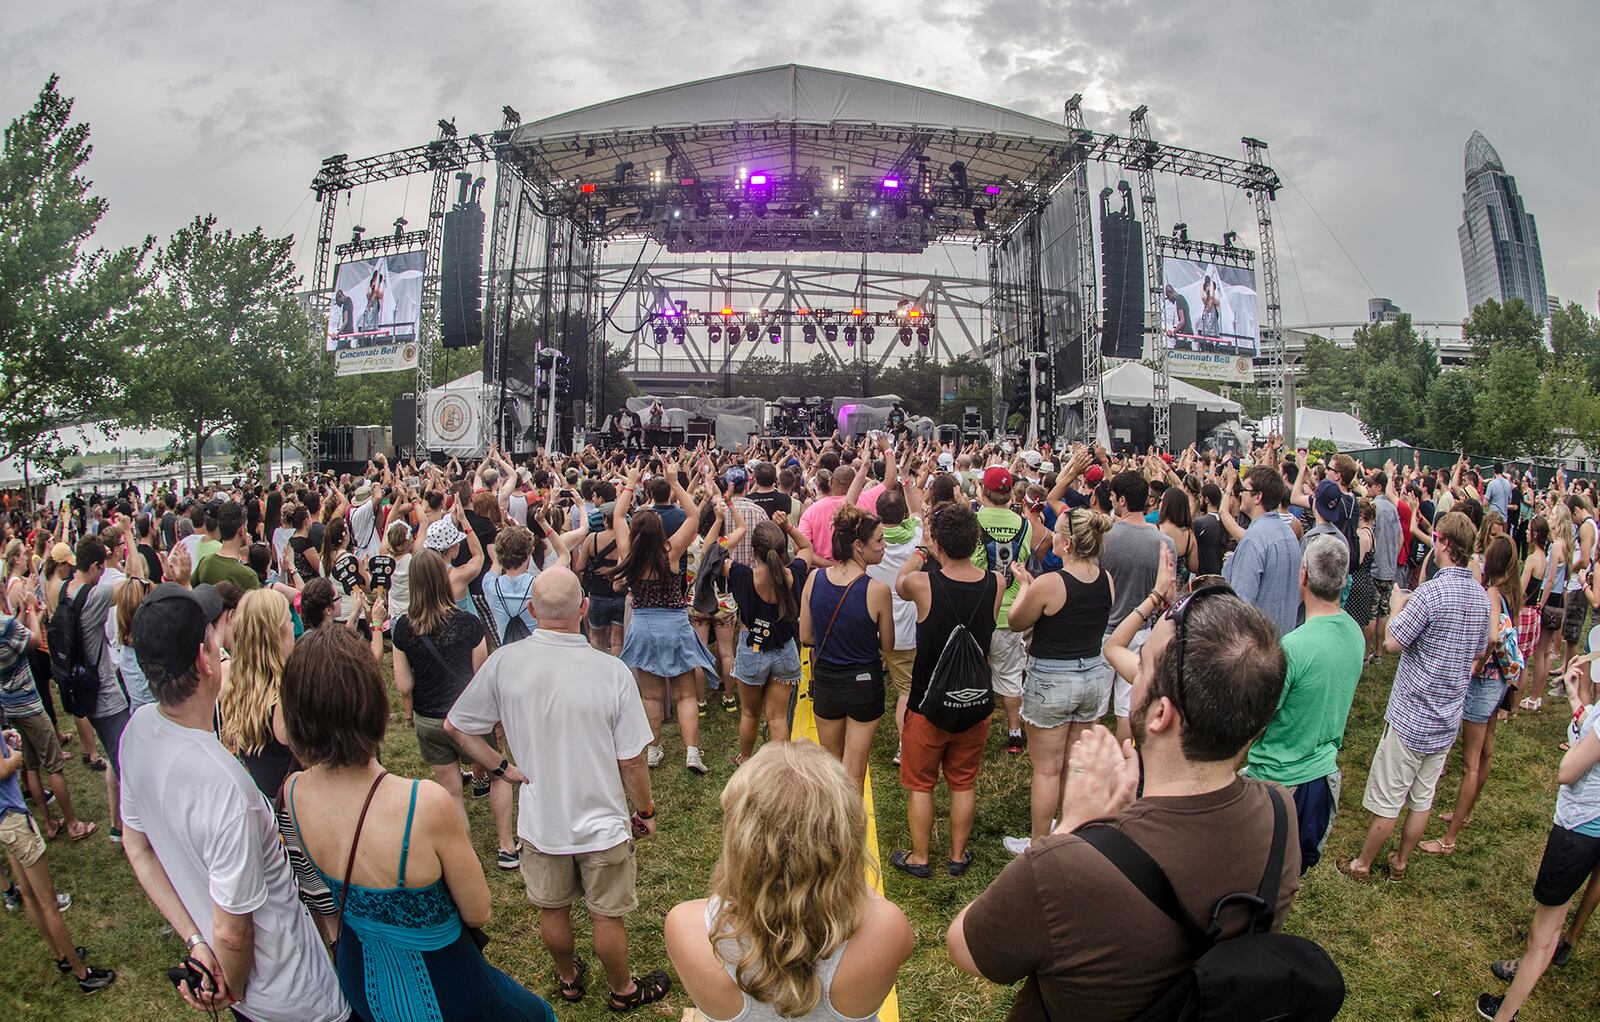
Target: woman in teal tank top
(394, 852)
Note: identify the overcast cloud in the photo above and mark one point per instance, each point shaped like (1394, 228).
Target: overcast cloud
(1366, 104)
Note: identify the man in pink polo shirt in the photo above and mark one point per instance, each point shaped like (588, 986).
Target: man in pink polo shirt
(844, 487)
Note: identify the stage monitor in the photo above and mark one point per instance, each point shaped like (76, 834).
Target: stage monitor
(1209, 307)
(373, 318)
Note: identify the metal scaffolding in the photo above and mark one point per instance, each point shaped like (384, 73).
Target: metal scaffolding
(1088, 270)
(1262, 192)
(1144, 157)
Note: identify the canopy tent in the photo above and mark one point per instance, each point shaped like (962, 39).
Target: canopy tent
(1133, 385)
(1342, 428)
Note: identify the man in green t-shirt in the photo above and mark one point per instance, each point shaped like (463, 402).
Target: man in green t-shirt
(1011, 538)
(1300, 748)
(228, 562)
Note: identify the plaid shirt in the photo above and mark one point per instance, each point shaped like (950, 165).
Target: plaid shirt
(750, 515)
(1442, 629)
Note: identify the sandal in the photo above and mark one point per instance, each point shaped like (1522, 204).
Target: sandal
(647, 989)
(575, 991)
(1397, 874)
(96, 764)
(1360, 876)
(900, 860)
(1451, 816)
(1436, 846)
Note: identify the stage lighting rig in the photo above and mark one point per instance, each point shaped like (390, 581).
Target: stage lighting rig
(850, 335)
(679, 333)
(713, 334)
(399, 227)
(447, 128)
(830, 332)
(619, 173)
(905, 336)
(751, 332)
(660, 331)
(922, 336)
(808, 333)
(837, 183)
(867, 334)
(775, 333)
(1180, 233)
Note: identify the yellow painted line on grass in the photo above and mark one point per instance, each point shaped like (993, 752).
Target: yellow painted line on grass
(805, 726)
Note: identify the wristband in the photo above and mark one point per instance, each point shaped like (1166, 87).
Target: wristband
(193, 942)
(647, 813)
(500, 771)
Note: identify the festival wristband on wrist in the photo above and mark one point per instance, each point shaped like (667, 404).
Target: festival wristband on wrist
(193, 942)
(500, 771)
(647, 813)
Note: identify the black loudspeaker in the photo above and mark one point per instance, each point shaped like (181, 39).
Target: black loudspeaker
(461, 278)
(1122, 278)
(336, 444)
(1183, 427)
(404, 426)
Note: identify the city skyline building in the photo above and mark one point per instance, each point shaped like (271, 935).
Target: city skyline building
(1500, 255)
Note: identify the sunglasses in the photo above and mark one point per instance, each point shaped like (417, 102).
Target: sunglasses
(1179, 615)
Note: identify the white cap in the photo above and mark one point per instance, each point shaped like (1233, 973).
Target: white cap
(1047, 466)
(946, 459)
(1032, 457)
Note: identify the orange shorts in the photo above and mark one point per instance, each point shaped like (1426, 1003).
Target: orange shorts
(925, 750)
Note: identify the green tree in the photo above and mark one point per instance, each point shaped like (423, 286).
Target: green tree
(1575, 336)
(62, 308)
(1449, 416)
(1493, 326)
(1330, 376)
(1396, 368)
(224, 348)
(1566, 390)
(1508, 366)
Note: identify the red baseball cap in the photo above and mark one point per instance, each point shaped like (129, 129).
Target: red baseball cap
(997, 478)
(1094, 474)
(1166, 457)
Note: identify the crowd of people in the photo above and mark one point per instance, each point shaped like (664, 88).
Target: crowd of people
(1174, 640)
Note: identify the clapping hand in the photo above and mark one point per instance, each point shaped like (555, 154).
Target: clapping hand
(1102, 778)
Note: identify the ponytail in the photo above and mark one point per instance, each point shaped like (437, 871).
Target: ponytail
(769, 543)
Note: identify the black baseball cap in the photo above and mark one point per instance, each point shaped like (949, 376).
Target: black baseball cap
(169, 627)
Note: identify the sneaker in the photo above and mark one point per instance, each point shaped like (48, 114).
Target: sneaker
(480, 788)
(506, 860)
(1016, 741)
(896, 759)
(115, 835)
(13, 898)
(730, 702)
(654, 756)
(702, 707)
(1563, 953)
(97, 980)
(83, 956)
(63, 901)
(1488, 1004)
(1016, 845)
(693, 761)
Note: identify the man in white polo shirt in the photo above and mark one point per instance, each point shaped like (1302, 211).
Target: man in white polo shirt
(577, 727)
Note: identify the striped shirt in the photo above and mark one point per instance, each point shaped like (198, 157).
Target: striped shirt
(18, 694)
(1443, 628)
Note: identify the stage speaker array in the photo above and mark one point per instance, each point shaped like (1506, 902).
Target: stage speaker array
(1183, 425)
(404, 425)
(461, 278)
(1122, 277)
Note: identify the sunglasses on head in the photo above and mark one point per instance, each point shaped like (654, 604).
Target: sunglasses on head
(1179, 615)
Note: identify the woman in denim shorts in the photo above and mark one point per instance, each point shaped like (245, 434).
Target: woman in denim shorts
(1067, 687)
(767, 657)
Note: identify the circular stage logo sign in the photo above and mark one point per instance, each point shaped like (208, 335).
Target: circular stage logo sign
(452, 419)
(408, 354)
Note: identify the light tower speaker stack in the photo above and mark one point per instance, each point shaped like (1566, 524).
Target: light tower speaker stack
(1122, 278)
(461, 278)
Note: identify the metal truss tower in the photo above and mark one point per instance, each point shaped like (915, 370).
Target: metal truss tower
(1088, 299)
(1262, 193)
(1141, 157)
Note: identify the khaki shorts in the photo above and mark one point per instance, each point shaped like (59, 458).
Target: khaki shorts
(899, 663)
(605, 879)
(41, 749)
(436, 747)
(19, 838)
(1008, 655)
(1400, 777)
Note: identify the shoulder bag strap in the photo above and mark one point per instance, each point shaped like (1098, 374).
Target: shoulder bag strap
(1145, 874)
(837, 607)
(427, 644)
(1268, 892)
(350, 863)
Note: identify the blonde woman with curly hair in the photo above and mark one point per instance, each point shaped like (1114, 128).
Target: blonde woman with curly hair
(252, 722)
(792, 929)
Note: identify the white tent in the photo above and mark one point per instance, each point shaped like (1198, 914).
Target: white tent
(1133, 384)
(1342, 428)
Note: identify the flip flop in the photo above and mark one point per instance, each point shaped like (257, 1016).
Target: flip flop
(88, 831)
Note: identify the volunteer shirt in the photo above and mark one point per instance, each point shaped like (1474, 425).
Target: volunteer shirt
(570, 713)
(217, 839)
(1001, 524)
(1303, 741)
(1089, 945)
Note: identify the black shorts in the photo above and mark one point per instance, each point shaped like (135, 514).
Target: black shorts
(605, 611)
(856, 692)
(1569, 859)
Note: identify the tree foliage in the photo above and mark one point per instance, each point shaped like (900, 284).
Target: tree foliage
(1330, 376)
(1396, 368)
(1575, 336)
(224, 348)
(61, 306)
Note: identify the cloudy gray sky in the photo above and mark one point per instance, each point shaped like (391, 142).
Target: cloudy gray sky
(1366, 104)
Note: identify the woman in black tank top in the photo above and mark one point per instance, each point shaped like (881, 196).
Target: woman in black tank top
(1067, 687)
(594, 560)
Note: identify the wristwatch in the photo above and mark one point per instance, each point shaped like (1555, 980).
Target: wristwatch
(500, 771)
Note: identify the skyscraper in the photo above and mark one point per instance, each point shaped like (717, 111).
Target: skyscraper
(1499, 243)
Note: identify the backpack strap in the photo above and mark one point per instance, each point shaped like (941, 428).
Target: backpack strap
(1145, 874)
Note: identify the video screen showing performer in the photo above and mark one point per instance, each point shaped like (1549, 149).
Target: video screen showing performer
(1229, 321)
(376, 301)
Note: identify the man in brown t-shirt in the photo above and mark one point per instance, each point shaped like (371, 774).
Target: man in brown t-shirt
(1061, 916)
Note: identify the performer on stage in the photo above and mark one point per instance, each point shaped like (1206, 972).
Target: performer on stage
(347, 312)
(658, 416)
(1210, 309)
(1178, 322)
(626, 424)
(897, 419)
(372, 315)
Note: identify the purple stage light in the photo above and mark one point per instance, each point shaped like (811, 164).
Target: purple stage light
(758, 179)
(992, 190)
(891, 184)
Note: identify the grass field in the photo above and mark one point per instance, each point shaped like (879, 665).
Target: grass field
(1418, 950)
